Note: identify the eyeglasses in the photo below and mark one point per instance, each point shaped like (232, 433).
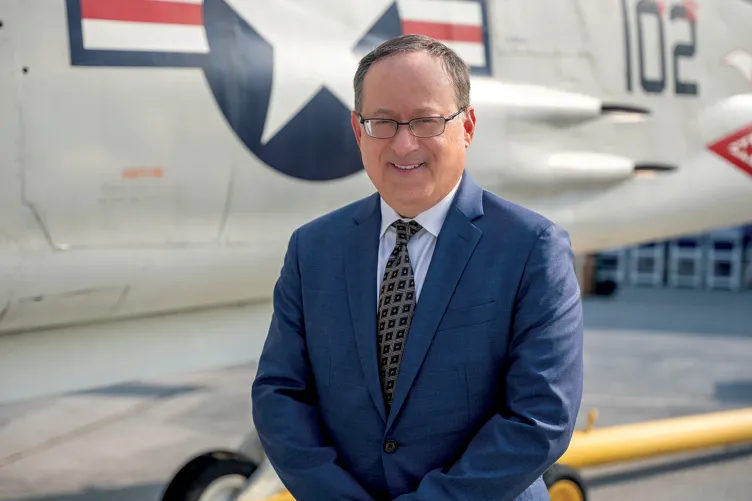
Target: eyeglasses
(386, 128)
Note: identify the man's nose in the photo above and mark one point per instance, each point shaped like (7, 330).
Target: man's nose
(404, 142)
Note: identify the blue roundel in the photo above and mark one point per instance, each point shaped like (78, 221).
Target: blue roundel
(318, 143)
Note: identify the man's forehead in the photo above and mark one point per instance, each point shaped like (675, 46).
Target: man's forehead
(410, 84)
(434, 98)
(415, 65)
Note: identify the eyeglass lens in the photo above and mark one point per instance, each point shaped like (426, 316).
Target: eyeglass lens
(421, 127)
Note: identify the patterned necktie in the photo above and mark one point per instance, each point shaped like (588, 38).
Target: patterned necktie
(396, 308)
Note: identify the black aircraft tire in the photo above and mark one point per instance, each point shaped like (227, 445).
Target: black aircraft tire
(195, 477)
(565, 484)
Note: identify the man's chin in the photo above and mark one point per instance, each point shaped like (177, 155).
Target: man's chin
(410, 202)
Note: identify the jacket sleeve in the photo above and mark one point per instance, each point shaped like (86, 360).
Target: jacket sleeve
(543, 387)
(284, 402)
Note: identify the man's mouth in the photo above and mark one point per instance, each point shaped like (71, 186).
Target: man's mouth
(407, 167)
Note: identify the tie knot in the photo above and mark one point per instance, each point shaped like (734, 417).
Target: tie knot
(406, 230)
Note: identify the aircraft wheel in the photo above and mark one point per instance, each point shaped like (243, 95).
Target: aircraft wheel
(564, 484)
(213, 476)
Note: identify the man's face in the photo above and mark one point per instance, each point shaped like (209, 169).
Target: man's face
(404, 87)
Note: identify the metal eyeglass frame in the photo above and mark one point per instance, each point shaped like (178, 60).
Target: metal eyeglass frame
(398, 124)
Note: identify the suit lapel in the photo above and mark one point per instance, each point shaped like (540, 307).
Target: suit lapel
(361, 260)
(454, 247)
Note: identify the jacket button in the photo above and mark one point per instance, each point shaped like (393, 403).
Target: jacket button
(390, 446)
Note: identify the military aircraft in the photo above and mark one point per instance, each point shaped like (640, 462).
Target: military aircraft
(157, 154)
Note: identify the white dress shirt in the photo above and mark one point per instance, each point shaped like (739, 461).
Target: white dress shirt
(421, 245)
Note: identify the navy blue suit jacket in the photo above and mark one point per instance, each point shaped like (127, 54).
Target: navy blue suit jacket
(491, 378)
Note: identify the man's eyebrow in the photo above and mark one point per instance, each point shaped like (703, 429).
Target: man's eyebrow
(382, 111)
(426, 112)
(417, 113)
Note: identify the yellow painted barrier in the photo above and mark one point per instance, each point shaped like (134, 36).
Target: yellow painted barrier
(629, 442)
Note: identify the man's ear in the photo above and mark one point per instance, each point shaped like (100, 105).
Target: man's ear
(469, 125)
(355, 120)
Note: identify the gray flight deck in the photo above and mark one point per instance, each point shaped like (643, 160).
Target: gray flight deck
(649, 354)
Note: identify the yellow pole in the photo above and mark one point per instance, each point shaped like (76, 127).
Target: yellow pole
(596, 447)
(629, 442)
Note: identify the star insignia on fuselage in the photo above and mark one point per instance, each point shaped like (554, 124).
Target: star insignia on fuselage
(311, 51)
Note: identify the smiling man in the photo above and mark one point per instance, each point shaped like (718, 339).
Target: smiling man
(426, 342)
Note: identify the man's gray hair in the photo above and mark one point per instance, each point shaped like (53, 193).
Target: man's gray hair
(457, 69)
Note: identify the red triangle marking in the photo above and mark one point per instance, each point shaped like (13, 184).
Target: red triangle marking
(736, 149)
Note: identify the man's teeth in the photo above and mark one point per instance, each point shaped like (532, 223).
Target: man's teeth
(406, 167)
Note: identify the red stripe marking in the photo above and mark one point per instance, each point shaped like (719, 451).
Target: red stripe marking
(691, 7)
(143, 11)
(442, 31)
(661, 4)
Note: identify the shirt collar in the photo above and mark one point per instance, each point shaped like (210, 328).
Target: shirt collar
(432, 219)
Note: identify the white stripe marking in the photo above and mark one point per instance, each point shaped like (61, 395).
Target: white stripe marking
(441, 11)
(121, 35)
(473, 53)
